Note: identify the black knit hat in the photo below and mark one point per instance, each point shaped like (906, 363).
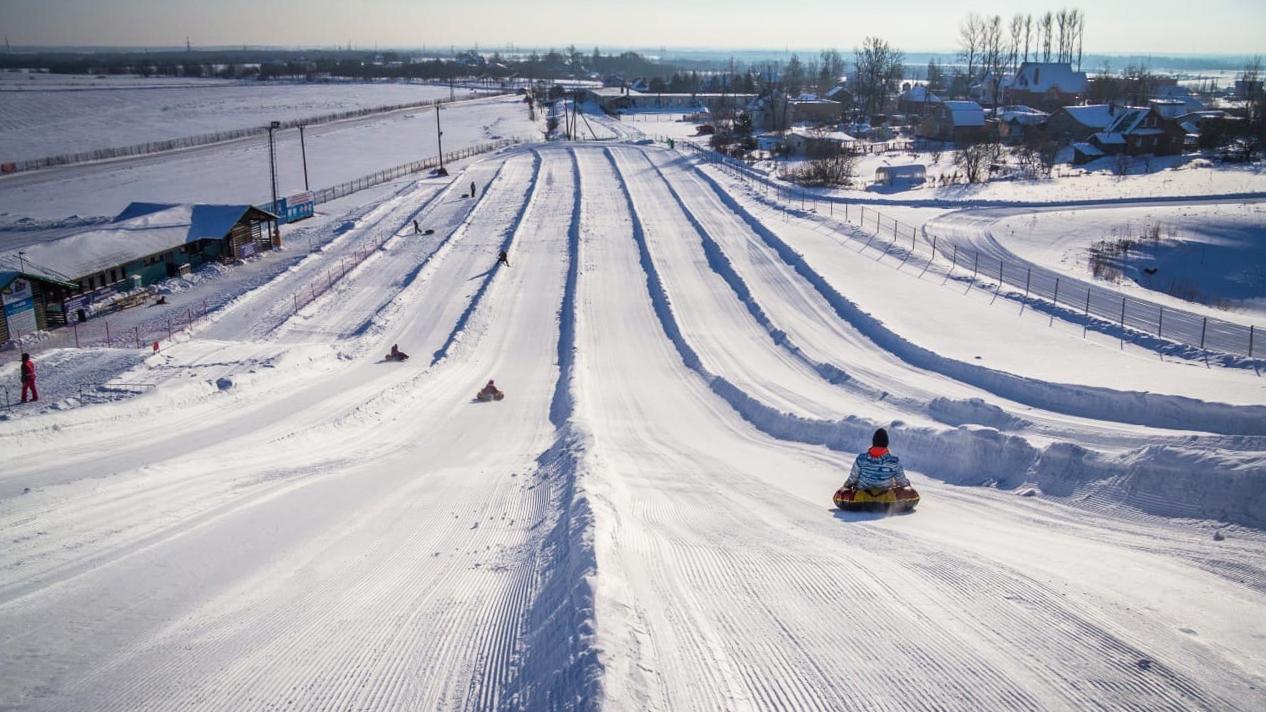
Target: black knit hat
(880, 438)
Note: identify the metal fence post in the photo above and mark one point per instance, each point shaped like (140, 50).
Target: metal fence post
(1204, 325)
(975, 266)
(1250, 340)
(1122, 322)
(1028, 279)
(1160, 322)
(107, 325)
(1086, 324)
(1056, 300)
(934, 247)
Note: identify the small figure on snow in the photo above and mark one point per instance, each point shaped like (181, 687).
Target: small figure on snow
(503, 258)
(490, 392)
(28, 378)
(396, 354)
(472, 189)
(417, 229)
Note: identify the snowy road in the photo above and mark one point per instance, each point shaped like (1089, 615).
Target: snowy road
(644, 521)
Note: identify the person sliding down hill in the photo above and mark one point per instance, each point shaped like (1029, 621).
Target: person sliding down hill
(877, 469)
(396, 354)
(503, 258)
(490, 392)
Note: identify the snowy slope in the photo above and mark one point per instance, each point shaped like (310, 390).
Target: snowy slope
(644, 522)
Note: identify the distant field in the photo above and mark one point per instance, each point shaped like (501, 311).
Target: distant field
(68, 115)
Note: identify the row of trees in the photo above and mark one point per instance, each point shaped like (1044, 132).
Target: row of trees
(988, 44)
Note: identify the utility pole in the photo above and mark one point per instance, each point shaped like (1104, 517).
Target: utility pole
(303, 149)
(439, 140)
(272, 173)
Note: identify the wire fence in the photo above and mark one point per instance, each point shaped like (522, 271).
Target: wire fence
(148, 147)
(1130, 314)
(325, 195)
(149, 334)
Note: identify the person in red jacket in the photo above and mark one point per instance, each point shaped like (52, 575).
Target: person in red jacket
(28, 378)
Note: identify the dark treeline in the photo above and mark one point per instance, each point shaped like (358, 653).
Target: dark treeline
(568, 63)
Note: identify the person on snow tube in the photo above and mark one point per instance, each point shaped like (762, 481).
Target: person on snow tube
(877, 481)
(396, 354)
(877, 468)
(490, 392)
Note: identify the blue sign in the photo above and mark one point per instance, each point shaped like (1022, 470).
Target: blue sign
(298, 207)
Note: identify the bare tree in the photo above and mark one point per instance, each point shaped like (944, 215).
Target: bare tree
(830, 70)
(993, 54)
(974, 160)
(1061, 28)
(1028, 35)
(880, 69)
(1017, 36)
(1045, 27)
(969, 41)
(1081, 32)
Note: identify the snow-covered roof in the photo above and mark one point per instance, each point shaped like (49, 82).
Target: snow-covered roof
(1177, 92)
(614, 91)
(142, 229)
(918, 94)
(1128, 119)
(1169, 108)
(1044, 76)
(1021, 114)
(820, 134)
(1095, 116)
(1088, 149)
(837, 91)
(965, 113)
(1115, 138)
(904, 170)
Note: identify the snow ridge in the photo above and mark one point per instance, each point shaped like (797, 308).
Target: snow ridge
(506, 242)
(559, 667)
(1155, 410)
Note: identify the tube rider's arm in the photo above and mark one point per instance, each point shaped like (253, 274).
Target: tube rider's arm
(900, 476)
(853, 475)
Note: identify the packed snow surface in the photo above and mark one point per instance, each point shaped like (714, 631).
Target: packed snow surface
(283, 519)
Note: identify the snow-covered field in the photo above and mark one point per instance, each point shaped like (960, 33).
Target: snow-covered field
(60, 117)
(237, 171)
(283, 519)
(1206, 253)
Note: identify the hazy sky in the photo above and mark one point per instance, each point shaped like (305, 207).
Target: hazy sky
(1147, 26)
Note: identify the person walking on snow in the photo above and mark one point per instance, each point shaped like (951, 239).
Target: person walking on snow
(28, 378)
(877, 468)
(417, 229)
(472, 189)
(503, 258)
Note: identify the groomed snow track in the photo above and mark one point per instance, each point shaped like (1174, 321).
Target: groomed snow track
(644, 521)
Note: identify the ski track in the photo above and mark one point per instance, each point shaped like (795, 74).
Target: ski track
(642, 523)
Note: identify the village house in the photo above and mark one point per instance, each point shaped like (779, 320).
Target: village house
(954, 121)
(1015, 121)
(1047, 85)
(814, 142)
(1137, 131)
(808, 108)
(916, 100)
(1078, 123)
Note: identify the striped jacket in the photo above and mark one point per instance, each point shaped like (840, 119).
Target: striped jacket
(877, 469)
